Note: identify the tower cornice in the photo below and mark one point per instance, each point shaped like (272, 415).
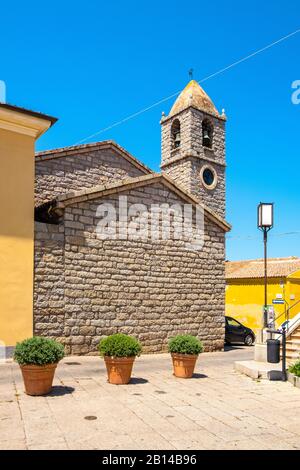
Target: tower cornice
(192, 155)
(173, 116)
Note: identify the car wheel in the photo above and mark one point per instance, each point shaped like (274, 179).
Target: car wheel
(248, 340)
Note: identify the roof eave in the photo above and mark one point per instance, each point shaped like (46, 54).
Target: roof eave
(84, 148)
(29, 112)
(130, 183)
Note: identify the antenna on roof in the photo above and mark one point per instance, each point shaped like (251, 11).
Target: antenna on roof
(191, 72)
(2, 92)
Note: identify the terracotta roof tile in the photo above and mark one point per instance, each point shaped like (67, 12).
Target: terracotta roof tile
(277, 267)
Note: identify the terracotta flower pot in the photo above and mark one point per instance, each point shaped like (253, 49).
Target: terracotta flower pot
(119, 369)
(184, 364)
(38, 379)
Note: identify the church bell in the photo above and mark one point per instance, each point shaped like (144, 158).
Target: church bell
(177, 139)
(206, 138)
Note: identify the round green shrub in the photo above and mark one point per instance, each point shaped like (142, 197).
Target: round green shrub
(295, 368)
(185, 344)
(38, 351)
(119, 345)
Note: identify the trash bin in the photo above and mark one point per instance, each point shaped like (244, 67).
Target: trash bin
(273, 351)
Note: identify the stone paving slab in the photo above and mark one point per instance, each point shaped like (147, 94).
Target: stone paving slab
(217, 409)
(258, 370)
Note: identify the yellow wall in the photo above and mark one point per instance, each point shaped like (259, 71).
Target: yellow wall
(293, 291)
(16, 235)
(19, 130)
(245, 299)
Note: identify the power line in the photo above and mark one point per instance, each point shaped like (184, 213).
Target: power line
(224, 69)
(251, 237)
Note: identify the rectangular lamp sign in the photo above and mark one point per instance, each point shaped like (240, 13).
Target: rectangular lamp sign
(265, 215)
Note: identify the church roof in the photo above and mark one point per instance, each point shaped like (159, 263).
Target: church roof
(254, 268)
(104, 190)
(84, 148)
(193, 95)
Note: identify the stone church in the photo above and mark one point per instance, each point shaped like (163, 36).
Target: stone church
(87, 286)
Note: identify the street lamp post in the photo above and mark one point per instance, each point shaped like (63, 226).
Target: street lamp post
(265, 212)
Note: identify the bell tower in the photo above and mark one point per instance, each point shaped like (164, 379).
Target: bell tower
(193, 147)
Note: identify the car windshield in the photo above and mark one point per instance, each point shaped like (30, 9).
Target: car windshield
(232, 322)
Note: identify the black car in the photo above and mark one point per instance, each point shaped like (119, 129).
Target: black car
(235, 332)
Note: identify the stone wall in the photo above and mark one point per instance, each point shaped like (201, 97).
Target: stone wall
(168, 153)
(49, 280)
(55, 175)
(151, 289)
(215, 198)
(217, 153)
(187, 172)
(191, 137)
(184, 163)
(181, 172)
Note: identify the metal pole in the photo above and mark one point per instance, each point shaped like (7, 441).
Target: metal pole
(284, 378)
(266, 277)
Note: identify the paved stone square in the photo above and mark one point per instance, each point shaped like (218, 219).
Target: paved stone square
(217, 409)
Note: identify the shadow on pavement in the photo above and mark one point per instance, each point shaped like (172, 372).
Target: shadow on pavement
(199, 376)
(137, 380)
(231, 347)
(60, 390)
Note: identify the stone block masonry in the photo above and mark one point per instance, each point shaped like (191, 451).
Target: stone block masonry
(187, 172)
(49, 286)
(57, 175)
(87, 288)
(184, 163)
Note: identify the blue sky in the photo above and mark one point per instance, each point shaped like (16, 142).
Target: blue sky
(95, 63)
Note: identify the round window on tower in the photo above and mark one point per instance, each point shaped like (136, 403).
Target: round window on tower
(209, 177)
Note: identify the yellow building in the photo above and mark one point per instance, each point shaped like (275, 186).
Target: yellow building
(245, 289)
(19, 129)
